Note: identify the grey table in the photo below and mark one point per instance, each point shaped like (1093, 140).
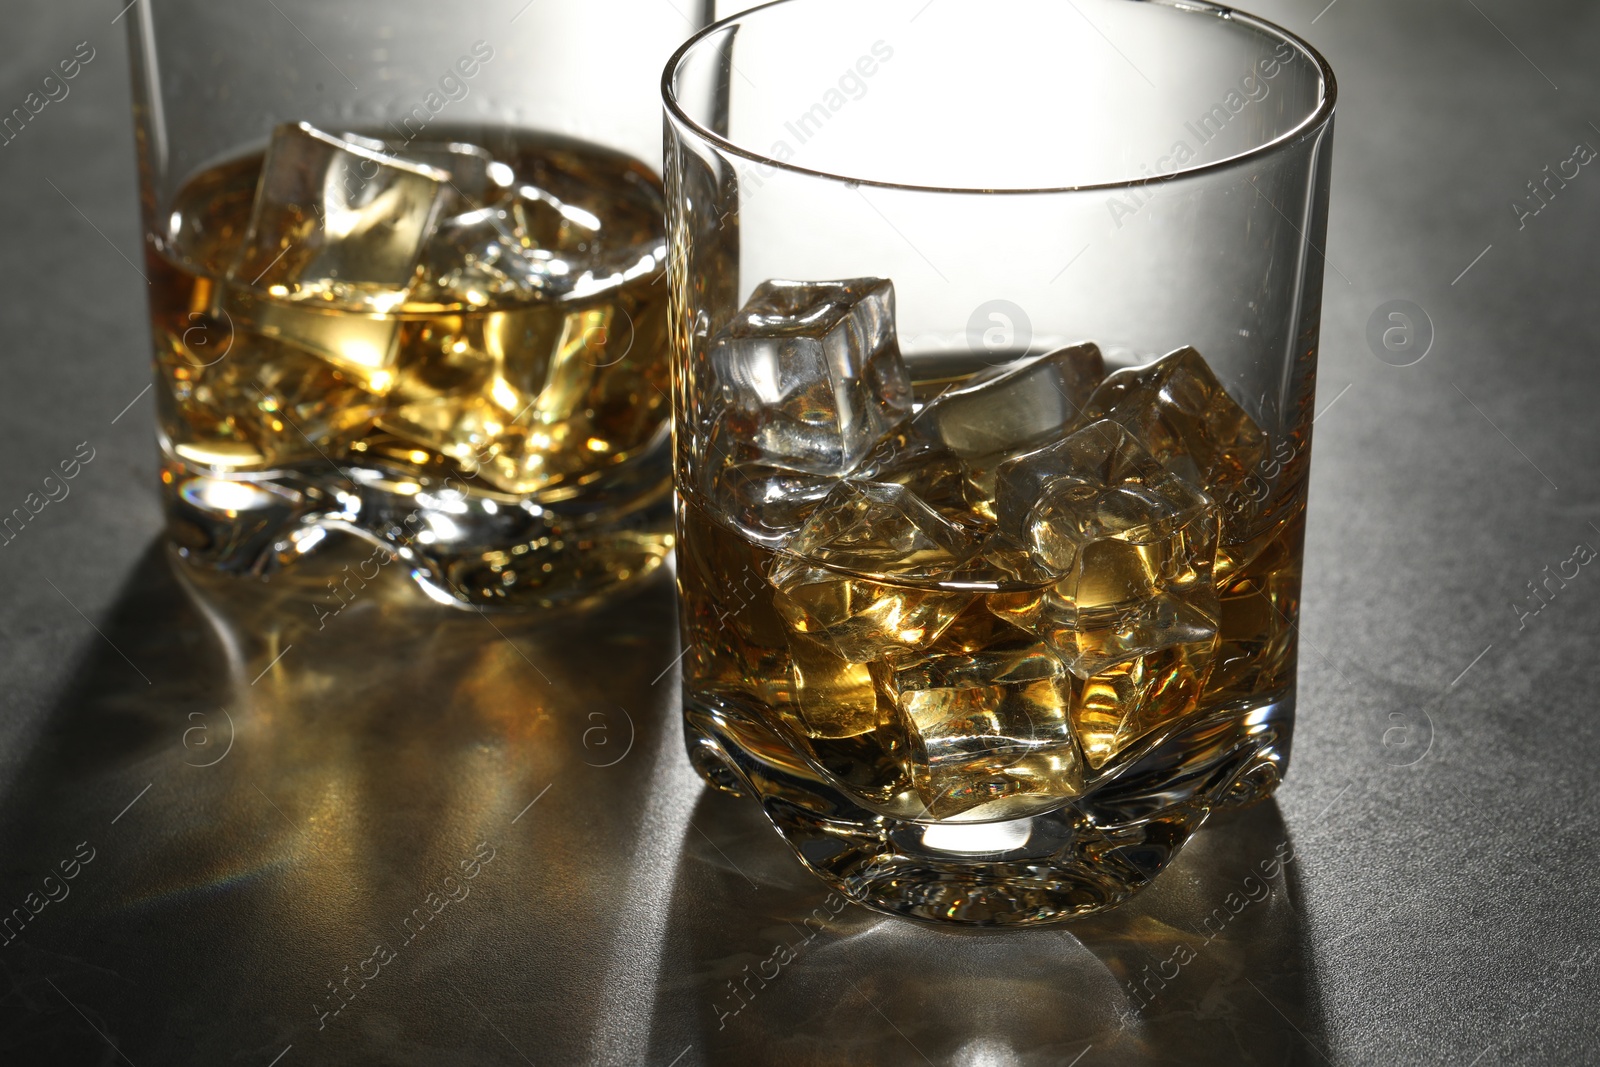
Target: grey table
(250, 804)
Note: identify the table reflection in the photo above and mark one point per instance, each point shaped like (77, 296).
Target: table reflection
(281, 778)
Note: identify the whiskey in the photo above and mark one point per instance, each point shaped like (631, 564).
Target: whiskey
(1041, 598)
(470, 340)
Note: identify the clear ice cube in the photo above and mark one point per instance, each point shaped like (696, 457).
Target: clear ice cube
(930, 470)
(1088, 645)
(338, 222)
(1180, 412)
(862, 620)
(1131, 609)
(529, 242)
(1133, 698)
(476, 178)
(882, 528)
(989, 726)
(335, 236)
(1099, 516)
(766, 503)
(811, 372)
(268, 403)
(836, 697)
(503, 393)
(1021, 406)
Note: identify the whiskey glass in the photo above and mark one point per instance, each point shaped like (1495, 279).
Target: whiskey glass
(407, 283)
(994, 346)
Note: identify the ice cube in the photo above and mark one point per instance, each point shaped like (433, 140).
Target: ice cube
(337, 222)
(1091, 643)
(475, 178)
(266, 404)
(859, 619)
(1257, 606)
(837, 697)
(335, 235)
(989, 726)
(811, 372)
(503, 393)
(1128, 700)
(1024, 405)
(767, 503)
(361, 345)
(882, 528)
(527, 242)
(1098, 515)
(479, 256)
(935, 474)
(1186, 419)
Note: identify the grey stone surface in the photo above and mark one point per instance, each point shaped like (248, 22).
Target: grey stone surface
(1440, 903)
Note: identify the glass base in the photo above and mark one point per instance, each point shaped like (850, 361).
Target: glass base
(463, 546)
(1093, 853)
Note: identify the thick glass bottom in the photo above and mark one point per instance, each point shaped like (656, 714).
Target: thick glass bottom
(1090, 854)
(463, 546)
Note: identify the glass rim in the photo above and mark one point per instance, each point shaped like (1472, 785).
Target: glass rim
(1314, 120)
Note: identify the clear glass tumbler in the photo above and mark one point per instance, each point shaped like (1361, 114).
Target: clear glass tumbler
(407, 282)
(995, 338)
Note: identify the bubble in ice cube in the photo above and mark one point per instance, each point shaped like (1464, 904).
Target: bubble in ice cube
(337, 221)
(990, 726)
(1021, 406)
(811, 372)
(1180, 412)
(882, 528)
(861, 620)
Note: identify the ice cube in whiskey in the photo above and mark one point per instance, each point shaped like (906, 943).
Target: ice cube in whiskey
(456, 343)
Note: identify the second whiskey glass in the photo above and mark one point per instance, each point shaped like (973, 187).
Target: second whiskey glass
(407, 283)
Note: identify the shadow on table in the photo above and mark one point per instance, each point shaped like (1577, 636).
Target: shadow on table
(1206, 966)
(270, 790)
